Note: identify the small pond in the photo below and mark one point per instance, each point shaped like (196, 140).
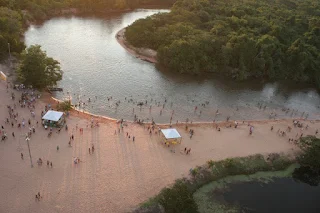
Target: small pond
(278, 196)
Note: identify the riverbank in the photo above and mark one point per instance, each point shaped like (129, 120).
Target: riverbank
(144, 54)
(209, 197)
(121, 173)
(216, 175)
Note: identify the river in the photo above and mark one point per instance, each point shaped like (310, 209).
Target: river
(281, 195)
(96, 66)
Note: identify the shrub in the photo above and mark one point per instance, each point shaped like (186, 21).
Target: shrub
(178, 199)
(64, 106)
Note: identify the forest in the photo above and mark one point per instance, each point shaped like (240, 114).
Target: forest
(241, 39)
(15, 14)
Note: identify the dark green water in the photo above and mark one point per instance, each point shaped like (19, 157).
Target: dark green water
(279, 196)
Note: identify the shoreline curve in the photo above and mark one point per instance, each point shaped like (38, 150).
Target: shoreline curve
(82, 114)
(144, 54)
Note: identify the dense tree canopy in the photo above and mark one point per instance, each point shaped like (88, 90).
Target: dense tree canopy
(177, 199)
(275, 39)
(10, 30)
(15, 14)
(37, 69)
(96, 5)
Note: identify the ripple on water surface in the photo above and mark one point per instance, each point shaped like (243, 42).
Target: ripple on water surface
(95, 64)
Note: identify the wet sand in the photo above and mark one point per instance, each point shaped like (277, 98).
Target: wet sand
(121, 173)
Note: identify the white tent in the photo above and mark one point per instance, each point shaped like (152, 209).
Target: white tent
(170, 133)
(52, 116)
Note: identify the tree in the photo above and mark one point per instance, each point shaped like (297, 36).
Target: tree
(37, 69)
(178, 199)
(242, 39)
(10, 32)
(309, 171)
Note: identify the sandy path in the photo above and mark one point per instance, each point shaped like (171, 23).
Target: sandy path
(121, 173)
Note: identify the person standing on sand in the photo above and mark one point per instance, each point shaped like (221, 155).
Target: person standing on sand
(251, 130)
(51, 164)
(21, 156)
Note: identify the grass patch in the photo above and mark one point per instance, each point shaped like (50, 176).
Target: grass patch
(207, 204)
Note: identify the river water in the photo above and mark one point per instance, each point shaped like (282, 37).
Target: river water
(95, 66)
(281, 195)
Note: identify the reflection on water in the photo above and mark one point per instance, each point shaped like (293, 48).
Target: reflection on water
(281, 195)
(97, 67)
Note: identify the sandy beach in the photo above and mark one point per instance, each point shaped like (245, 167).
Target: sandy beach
(120, 173)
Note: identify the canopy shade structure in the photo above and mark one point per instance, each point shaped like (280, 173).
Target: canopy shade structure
(170, 133)
(52, 115)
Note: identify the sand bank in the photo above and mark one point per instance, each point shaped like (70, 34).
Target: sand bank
(121, 173)
(141, 53)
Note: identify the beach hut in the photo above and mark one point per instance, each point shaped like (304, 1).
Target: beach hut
(171, 136)
(53, 119)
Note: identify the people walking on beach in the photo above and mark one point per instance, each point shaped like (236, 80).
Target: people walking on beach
(13, 134)
(51, 164)
(92, 148)
(21, 155)
(58, 148)
(250, 130)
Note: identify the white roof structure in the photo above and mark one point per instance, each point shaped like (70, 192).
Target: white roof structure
(52, 115)
(170, 133)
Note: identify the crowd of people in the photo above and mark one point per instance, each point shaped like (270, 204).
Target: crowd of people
(29, 125)
(151, 104)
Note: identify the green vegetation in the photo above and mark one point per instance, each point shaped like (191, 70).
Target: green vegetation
(272, 39)
(64, 106)
(207, 203)
(16, 14)
(309, 172)
(178, 198)
(37, 69)
(10, 31)
(99, 5)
